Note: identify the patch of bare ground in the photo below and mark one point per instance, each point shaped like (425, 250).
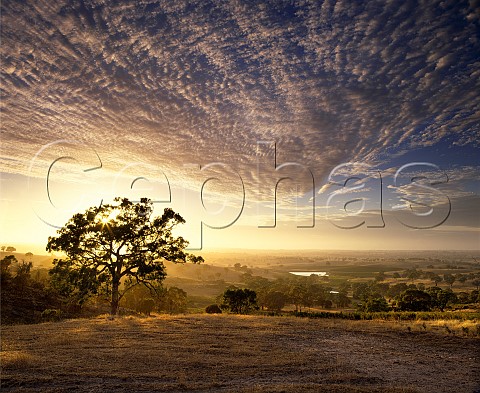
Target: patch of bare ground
(220, 353)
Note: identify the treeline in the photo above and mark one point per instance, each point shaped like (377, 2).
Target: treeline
(33, 296)
(435, 278)
(302, 292)
(373, 296)
(377, 297)
(25, 297)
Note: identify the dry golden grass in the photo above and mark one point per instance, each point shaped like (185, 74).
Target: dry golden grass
(209, 353)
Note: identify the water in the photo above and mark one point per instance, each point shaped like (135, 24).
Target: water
(307, 274)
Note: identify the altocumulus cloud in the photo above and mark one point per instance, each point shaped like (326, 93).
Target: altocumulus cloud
(202, 81)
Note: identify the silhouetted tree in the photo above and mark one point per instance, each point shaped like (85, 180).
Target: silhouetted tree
(449, 279)
(115, 242)
(436, 278)
(396, 290)
(10, 249)
(342, 299)
(413, 274)
(239, 301)
(5, 265)
(378, 304)
(441, 297)
(461, 278)
(275, 301)
(173, 301)
(414, 300)
(22, 299)
(476, 283)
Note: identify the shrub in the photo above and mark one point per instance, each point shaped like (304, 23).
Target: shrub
(146, 306)
(213, 309)
(51, 314)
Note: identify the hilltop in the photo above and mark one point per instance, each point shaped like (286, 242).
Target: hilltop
(227, 353)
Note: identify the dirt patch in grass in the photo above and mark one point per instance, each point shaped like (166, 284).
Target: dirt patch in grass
(220, 353)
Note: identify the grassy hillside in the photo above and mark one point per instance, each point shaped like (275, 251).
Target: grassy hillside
(234, 354)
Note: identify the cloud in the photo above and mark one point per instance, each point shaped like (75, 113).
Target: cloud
(169, 83)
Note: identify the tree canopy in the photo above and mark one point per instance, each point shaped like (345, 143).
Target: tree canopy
(114, 247)
(239, 301)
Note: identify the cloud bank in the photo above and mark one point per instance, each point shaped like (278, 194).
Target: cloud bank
(168, 83)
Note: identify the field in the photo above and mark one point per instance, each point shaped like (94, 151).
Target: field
(226, 353)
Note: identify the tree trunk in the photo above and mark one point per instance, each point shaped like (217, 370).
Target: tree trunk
(115, 297)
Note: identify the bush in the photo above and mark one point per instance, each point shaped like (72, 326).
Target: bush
(213, 309)
(375, 305)
(51, 314)
(146, 306)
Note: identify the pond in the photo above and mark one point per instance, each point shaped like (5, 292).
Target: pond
(307, 274)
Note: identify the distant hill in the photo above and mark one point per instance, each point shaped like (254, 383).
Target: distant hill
(39, 261)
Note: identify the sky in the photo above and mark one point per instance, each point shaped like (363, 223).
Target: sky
(266, 124)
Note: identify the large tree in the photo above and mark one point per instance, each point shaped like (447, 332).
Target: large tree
(114, 247)
(414, 300)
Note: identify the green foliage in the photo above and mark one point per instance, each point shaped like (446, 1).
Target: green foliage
(396, 290)
(440, 297)
(5, 265)
(378, 304)
(412, 274)
(51, 314)
(173, 301)
(239, 301)
(414, 300)
(341, 299)
(449, 279)
(109, 244)
(213, 309)
(146, 306)
(275, 301)
(23, 299)
(144, 299)
(75, 283)
(476, 283)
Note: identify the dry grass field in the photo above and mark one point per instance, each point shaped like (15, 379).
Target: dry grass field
(221, 353)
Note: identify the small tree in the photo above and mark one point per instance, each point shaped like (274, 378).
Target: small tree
(173, 301)
(10, 249)
(113, 243)
(476, 283)
(461, 278)
(414, 300)
(441, 297)
(275, 301)
(239, 301)
(378, 304)
(380, 276)
(436, 279)
(5, 265)
(449, 279)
